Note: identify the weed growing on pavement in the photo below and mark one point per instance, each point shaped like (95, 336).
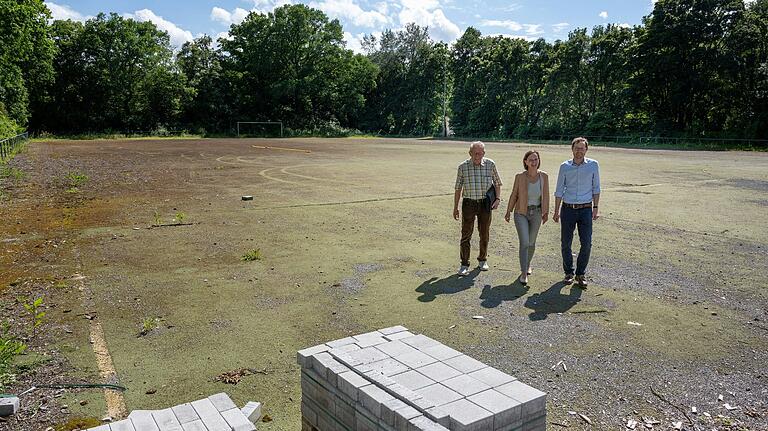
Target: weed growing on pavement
(15, 174)
(158, 219)
(180, 216)
(252, 255)
(33, 310)
(76, 179)
(10, 347)
(148, 325)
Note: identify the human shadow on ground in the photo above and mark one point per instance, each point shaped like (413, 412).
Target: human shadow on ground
(444, 286)
(493, 296)
(552, 300)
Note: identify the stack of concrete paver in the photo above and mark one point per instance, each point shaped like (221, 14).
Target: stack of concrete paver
(215, 413)
(392, 379)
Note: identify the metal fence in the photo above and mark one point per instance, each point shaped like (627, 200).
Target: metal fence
(10, 146)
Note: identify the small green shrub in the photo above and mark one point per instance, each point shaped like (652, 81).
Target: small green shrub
(148, 325)
(10, 347)
(180, 216)
(11, 172)
(33, 310)
(252, 255)
(75, 180)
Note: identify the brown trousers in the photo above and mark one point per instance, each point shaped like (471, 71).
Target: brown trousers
(469, 210)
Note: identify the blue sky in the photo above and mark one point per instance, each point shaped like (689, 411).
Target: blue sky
(446, 19)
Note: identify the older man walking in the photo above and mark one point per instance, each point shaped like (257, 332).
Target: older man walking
(474, 177)
(578, 189)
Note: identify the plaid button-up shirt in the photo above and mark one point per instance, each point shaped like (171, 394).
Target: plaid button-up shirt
(474, 181)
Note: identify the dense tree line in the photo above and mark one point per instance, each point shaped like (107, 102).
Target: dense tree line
(693, 68)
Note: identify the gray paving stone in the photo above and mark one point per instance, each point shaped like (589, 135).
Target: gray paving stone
(340, 342)
(439, 415)
(196, 425)
(393, 330)
(350, 382)
(166, 420)
(123, 425)
(423, 404)
(308, 413)
(441, 352)
(395, 348)
(420, 341)
(387, 367)
(222, 402)
(343, 349)
(388, 409)
(237, 420)
(345, 414)
(363, 423)
(439, 394)
(105, 427)
(143, 420)
(533, 400)
(303, 355)
(403, 417)
(371, 398)
(466, 385)
(321, 362)
(252, 410)
(506, 411)
(465, 364)
(399, 335)
(332, 373)
(380, 379)
(413, 379)
(492, 377)
(467, 416)
(415, 359)
(9, 406)
(209, 415)
(185, 413)
(422, 423)
(439, 371)
(362, 356)
(369, 339)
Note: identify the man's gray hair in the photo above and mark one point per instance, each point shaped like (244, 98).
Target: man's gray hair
(476, 144)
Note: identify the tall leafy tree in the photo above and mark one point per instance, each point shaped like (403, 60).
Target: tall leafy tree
(26, 52)
(113, 73)
(291, 65)
(208, 106)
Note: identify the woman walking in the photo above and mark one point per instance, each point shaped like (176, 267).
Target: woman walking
(530, 203)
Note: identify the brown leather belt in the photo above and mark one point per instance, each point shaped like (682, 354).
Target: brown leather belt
(577, 206)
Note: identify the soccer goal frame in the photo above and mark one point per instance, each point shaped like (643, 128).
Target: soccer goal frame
(259, 122)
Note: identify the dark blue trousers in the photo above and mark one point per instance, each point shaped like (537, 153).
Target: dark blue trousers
(571, 219)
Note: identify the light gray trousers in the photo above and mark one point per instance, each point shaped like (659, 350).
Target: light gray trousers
(527, 230)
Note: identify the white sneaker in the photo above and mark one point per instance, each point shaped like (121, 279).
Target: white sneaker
(484, 265)
(463, 270)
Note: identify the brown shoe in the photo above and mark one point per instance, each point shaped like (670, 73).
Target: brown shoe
(568, 279)
(581, 281)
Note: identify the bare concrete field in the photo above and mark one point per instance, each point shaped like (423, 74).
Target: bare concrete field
(139, 244)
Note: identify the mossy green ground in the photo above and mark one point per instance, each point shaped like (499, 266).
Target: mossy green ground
(358, 235)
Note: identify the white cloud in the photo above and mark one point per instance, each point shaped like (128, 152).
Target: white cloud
(625, 25)
(427, 13)
(354, 43)
(64, 12)
(224, 16)
(265, 6)
(347, 9)
(530, 29)
(177, 34)
(557, 28)
(603, 15)
(511, 25)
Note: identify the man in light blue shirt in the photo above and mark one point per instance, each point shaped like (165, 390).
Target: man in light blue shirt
(578, 190)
